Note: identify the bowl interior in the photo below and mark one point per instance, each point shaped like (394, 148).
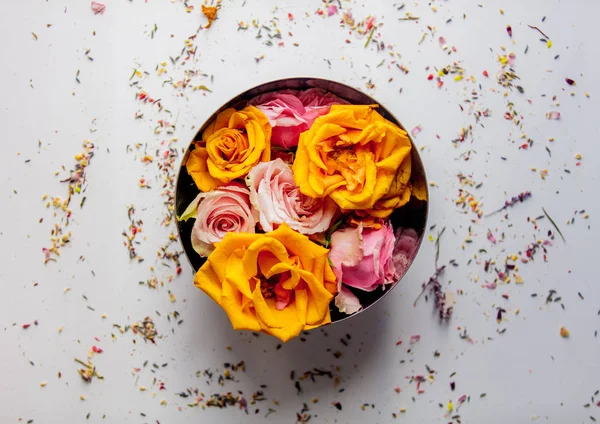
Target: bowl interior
(413, 214)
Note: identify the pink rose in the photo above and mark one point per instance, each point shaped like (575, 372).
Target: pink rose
(405, 249)
(290, 113)
(316, 97)
(218, 212)
(275, 195)
(362, 258)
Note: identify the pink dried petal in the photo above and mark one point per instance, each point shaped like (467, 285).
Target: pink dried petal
(442, 42)
(462, 399)
(512, 58)
(553, 115)
(98, 8)
(416, 130)
(332, 10)
(491, 237)
(415, 338)
(370, 22)
(491, 285)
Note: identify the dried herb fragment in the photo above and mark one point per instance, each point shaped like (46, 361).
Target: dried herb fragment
(554, 224)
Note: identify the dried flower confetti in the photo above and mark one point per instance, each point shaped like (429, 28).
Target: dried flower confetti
(98, 8)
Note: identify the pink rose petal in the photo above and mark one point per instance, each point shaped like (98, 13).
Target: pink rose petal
(491, 237)
(346, 301)
(416, 130)
(332, 10)
(415, 338)
(282, 297)
(553, 115)
(98, 8)
(346, 249)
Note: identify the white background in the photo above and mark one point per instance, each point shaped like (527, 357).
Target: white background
(529, 372)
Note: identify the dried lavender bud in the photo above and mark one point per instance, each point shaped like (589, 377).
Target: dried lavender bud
(521, 197)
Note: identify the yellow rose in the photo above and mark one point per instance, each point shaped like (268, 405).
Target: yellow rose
(230, 147)
(280, 282)
(398, 193)
(358, 158)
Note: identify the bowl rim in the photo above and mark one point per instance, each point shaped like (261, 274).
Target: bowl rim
(232, 101)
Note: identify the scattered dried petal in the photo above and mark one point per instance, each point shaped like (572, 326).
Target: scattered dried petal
(98, 8)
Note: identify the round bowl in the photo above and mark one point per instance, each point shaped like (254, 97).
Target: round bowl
(413, 214)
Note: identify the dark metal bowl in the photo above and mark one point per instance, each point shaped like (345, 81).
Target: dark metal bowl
(413, 215)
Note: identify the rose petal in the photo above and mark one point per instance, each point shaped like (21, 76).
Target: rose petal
(332, 10)
(347, 302)
(512, 58)
(416, 130)
(282, 297)
(553, 115)
(98, 8)
(491, 237)
(346, 249)
(200, 247)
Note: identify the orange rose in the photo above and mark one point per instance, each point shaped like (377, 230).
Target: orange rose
(230, 147)
(280, 282)
(358, 158)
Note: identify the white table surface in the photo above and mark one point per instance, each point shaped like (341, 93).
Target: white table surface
(528, 372)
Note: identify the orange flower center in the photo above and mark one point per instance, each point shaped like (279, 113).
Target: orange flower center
(232, 145)
(351, 166)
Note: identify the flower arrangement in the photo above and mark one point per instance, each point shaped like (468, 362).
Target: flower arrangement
(293, 213)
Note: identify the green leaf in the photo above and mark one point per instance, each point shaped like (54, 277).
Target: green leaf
(192, 209)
